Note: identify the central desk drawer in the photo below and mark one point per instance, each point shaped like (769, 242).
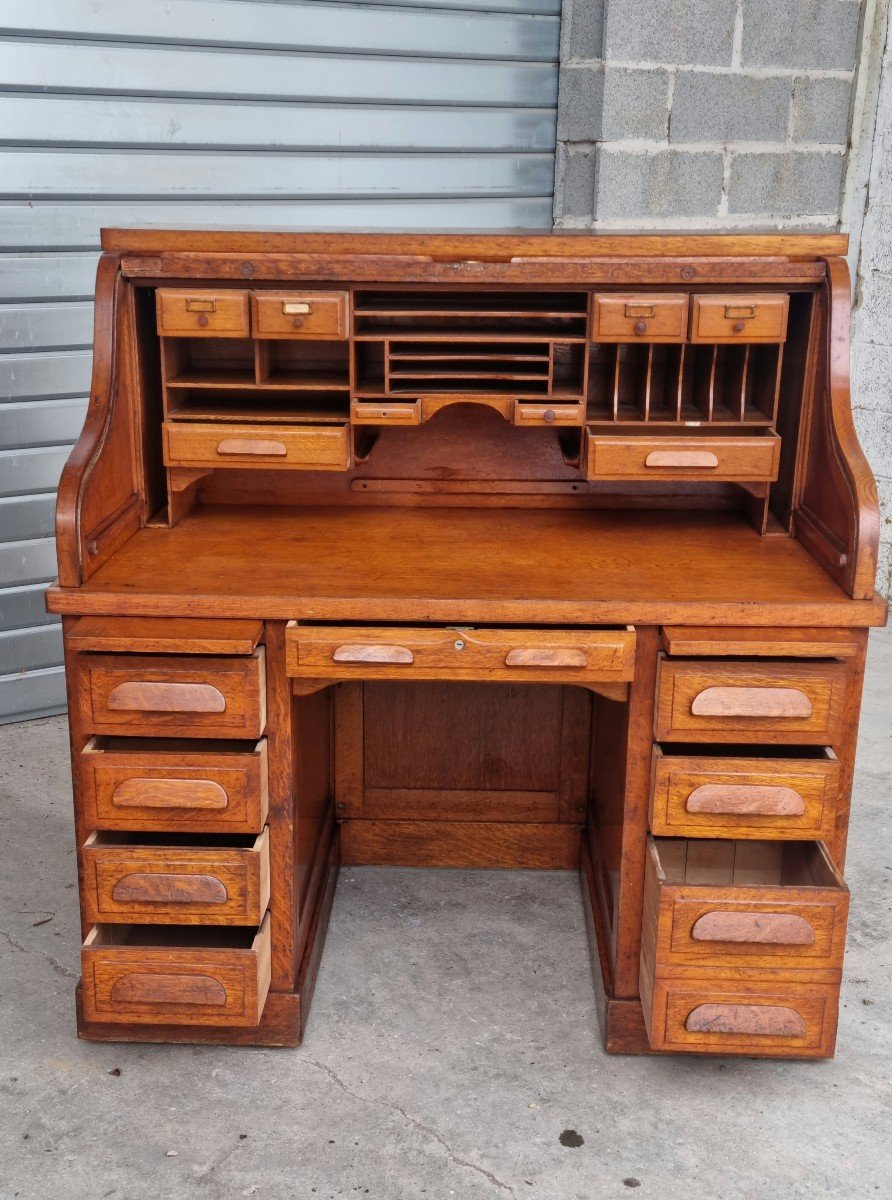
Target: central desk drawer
(562, 656)
(743, 701)
(172, 882)
(146, 975)
(271, 447)
(173, 695)
(742, 792)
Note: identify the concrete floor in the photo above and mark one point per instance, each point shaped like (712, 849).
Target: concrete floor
(452, 1043)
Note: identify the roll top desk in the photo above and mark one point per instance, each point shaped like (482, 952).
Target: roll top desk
(530, 551)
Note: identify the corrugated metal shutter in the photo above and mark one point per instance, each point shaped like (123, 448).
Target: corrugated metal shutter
(416, 114)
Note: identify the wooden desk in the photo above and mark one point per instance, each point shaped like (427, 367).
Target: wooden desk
(491, 551)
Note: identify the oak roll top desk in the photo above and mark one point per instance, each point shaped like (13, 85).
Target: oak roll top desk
(521, 550)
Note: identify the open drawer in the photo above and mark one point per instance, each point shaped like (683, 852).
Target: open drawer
(510, 655)
(169, 975)
(175, 879)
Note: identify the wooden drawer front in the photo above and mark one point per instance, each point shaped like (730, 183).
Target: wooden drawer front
(545, 414)
(612, 456)
(214, 791)
(325, 652)
(202, 313)
(143, 695)
(640, 318)
(301, 315)
(157, 978)
(761, 1019)
(270, 447)
(728, 904)
(784, 798)
(381, 412)
(709, 701)
(174, 884)
(738, 318)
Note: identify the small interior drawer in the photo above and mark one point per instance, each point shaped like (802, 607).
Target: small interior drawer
(760, 317)
(385, 412)
(173, 695)
(545, 414)
(764, 700)
(175, 879)
(744, 792)
(535, 655)
(321, 315)
(722, 904)
(640, 317)
(752, 457)
(763, 1019)
(270, 447)
(170, 975)
(202, 313)
(192, 787)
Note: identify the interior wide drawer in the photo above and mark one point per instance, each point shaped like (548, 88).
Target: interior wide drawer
(146, 975)
(202, 313)
(727, 904)
(754, 457)
(535, 655)
(640, 317)
(270, 447)
(181, 696)
(321, 315)
(135, 783)
(766, 700)
(174, 880)
(760, 317)
(763, 1019)
(744, 793)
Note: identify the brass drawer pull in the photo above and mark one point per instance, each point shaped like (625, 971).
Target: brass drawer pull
(764, 928)
(291, 308)
(743, 799)
(373, 654)
(150, 888)
(773, 1020)
(262, 448)
(139, 696)
(531, 656)
(143, 988)
(751, 702)
(740, 312)
(640, 310)
(169, 793)
(195, 304)
(682, 458)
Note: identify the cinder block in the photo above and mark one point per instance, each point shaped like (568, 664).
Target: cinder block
(670, 31)
(636, 104)
(821, 110)
(875, 435)
(874, 319)
(884, 566)
(785, 184)
(871, 368)
(816, 34)
(582, 28)
(724, 108)
(661, 184)
(580, 95)
(574, 184)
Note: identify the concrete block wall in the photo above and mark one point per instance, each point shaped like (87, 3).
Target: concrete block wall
(704, 113)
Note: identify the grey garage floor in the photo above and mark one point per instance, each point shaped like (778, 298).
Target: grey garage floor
(452, 1042)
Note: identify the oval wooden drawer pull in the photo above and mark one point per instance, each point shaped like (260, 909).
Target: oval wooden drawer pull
(260, 447)
(367, 653)
(772, 1019)
(764, 800)
(766, 928)
(148, 887)
(139, 988)
(751, 702)
(169, 793)
(545, 656)
(141, 696)
(682, 458)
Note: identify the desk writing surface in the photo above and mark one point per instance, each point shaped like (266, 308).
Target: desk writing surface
(467, 564)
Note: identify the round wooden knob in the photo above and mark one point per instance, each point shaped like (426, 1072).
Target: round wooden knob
(739, 327)
(298, 321)
(202, 320)
(641, 327)
(548, 415)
